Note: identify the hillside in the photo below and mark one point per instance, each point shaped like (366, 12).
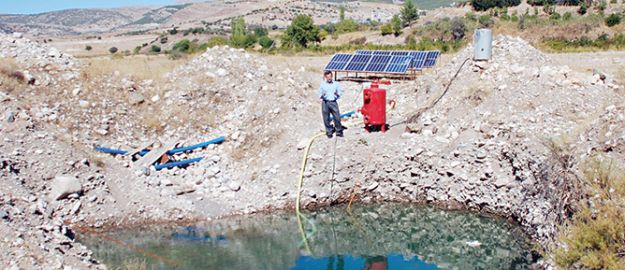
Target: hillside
(213, 15)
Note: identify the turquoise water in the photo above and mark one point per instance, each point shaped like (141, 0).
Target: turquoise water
(380, 237)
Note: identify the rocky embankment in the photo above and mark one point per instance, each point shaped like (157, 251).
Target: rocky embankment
(505, 139)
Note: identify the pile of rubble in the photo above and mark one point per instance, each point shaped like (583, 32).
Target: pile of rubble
(42, 62)
(491, 140)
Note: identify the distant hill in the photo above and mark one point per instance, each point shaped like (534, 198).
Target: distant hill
(215, 14)
(71, 21)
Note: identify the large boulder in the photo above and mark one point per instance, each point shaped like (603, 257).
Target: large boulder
(63, 186)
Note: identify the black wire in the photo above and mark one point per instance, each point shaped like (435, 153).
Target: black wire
(440, 97)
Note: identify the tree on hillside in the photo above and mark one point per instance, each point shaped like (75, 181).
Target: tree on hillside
(409, 13)
(301, 32)
(240, 37)
(482, 5)
(396, 23)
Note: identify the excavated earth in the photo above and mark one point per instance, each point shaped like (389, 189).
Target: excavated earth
(502, 137)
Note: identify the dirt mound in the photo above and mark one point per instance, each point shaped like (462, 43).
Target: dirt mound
(42, 62)
(510, 119)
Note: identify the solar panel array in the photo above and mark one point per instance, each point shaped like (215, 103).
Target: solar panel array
(398, 62)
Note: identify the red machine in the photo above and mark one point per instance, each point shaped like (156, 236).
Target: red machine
(374, 106)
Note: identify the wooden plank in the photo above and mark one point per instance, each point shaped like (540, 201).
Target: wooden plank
(154, 155)
(140, 148)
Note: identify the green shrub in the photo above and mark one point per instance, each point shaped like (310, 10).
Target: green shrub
(386, 29)
(260, 31)
(216, 41)
(346, 26)
(113, 50)
(555, 16)
(265, 42)
(486, 21)
(482, 5)
(612, 20)
(583, 8)
(471, 16)
(155, 49)
(542, 2)
(596, 234)
(182, 46)
(567, 16)
(88, 48)
(397, 25)
(409, 13)
(137, 50)
(301, 32)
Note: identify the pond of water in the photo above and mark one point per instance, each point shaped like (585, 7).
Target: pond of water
(368, 237)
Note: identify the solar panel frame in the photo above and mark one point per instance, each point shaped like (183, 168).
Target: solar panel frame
(418, 59)
(366, 52)
(431, 58)
(338, 62)
(381, 52)
(378, 63)
(400, 53)
(358, 62)
(398, 64)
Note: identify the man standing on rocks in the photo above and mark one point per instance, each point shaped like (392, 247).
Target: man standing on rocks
(329, 92)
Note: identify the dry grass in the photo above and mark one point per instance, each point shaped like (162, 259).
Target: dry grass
(11, 78)
(153, 120)
(595, 237)
(134, 264)
(139, 67)
(476, 95)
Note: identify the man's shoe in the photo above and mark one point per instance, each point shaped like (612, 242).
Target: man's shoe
(339, 134)
(329, 136)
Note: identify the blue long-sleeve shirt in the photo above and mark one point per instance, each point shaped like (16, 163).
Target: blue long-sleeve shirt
(330, 91)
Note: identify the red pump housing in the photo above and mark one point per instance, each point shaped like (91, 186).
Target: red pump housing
(374, 106)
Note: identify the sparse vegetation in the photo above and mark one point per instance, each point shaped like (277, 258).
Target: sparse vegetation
(612, 20)
(397, 26)
(239, 37)
(265, 42)
(88, 48)
(155, 49)
(482, 5)
(113, 50)
(595, 237)
(11, 78)
(584, 43)
(386, 29)
(409, 13)
(301, 32)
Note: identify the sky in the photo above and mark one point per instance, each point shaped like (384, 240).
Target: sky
(38, 6)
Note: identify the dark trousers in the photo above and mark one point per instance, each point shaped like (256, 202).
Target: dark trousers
(331, 108)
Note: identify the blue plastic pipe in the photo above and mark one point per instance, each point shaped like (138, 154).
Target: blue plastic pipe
(199, 145)
(177, 163)
(347, 114)
(170, 152)
(111, 151)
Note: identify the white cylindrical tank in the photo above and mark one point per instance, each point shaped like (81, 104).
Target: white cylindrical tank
(483, 43)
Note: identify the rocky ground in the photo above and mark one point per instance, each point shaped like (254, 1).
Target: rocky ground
(503, 139)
